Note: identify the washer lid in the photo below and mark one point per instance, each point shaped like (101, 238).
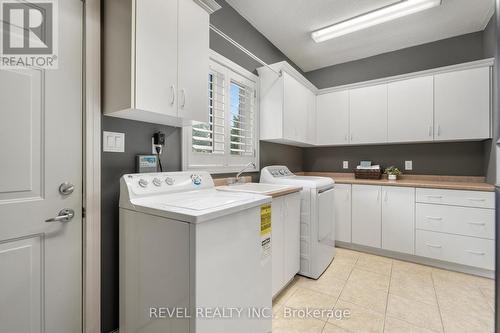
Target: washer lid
(196, 206)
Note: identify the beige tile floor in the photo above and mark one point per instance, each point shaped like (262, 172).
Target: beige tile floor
(387, 295)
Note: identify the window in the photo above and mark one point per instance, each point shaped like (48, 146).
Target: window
(229, 140)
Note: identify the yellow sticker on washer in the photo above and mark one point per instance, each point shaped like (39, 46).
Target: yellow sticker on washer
(265, 230)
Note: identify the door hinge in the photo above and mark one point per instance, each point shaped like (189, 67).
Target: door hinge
(83, 212)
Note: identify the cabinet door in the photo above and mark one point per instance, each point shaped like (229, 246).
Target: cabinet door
(410, 110)
(277, 243)
(332, 118)
(398, 218)
(193, 61)
(156, 60)
(294, 109)
(368, 114)
(462, 105)
(366, 215)
(343, 212)
(311, 117)
(292, 235)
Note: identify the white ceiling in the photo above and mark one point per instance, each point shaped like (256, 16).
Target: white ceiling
(288, 25)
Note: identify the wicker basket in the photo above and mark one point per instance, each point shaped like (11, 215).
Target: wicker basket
(367, 174)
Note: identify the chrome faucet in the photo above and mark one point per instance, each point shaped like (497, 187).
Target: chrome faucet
(237, 179)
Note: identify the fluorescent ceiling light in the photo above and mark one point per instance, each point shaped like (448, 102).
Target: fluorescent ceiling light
(384, 14)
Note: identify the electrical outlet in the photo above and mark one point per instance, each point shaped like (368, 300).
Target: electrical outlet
(345, 165)
(408, 165)
(153, 147)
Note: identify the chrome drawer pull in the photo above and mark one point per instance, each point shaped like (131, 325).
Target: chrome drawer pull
(436, 246)
(434, 218)
(477, 199)
(434, 196)
(477, 223)
(476, 252)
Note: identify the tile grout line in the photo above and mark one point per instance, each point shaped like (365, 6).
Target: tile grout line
(437, 300)
(387, 300)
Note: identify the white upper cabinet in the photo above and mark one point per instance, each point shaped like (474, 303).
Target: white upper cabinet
(193, 61)
(368, 114)
(154, 92)
(462, 105)
(332, 118)
(155, 60)
(287, 106)
(295, 109)
(410, 110)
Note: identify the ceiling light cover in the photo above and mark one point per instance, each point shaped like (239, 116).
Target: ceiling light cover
(392, 12)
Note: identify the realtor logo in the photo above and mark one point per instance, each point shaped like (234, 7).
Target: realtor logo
(29, 34)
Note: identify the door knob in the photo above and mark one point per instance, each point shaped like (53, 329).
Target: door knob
(66, 188)
(64, 215)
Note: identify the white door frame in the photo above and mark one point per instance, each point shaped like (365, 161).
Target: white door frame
(92, 168)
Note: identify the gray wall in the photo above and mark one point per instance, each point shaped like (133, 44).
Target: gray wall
(114, 165)
(445, 52)
(432, 158)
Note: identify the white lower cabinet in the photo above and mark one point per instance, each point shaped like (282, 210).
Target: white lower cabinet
(449, 225)
(285, 239)
(366, 215)
(343, 212)
(470, 251)
(398, 218)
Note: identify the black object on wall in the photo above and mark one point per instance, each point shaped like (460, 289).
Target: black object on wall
(114, 165)
(458, 158)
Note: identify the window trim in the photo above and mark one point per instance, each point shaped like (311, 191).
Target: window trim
(214, 167)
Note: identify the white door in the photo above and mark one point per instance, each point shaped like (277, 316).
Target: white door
(193, 61)
(332, 118)
(462, 105)
(156, 60)
(41, 148)
(398, 218)
(343, 212)
(366, 215)
(277, 240)
(311, 117)
(294, 110)
(411, 110)
(291, 220)
(368, 114)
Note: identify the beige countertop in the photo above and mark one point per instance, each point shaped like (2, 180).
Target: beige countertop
(470, 183)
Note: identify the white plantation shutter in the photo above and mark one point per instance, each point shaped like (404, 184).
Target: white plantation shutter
(241, 122)
(229, 139)
(210, 137)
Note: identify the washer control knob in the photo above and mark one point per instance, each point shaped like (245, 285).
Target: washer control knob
(169, 181)
(156, 181)
(282, 172)
(143, 182)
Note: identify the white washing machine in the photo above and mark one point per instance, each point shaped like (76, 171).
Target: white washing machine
(317, 218)
(193, 259)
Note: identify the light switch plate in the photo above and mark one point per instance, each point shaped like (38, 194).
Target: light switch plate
(408, 165)
(113, 142)
(345, 165)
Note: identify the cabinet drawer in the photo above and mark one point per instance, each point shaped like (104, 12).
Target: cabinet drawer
(463, 250)
(466, 221)
(456, 197)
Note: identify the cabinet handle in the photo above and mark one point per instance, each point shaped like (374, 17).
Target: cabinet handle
(477, 199)
(478, 223)
(385, 199)
(434, 245)
(172, 94)
(479, 253)
(345, 137)
(434, 196)
(183, 94)
(439, 130)
(434, 218)
(351, 137)
(430, 130)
